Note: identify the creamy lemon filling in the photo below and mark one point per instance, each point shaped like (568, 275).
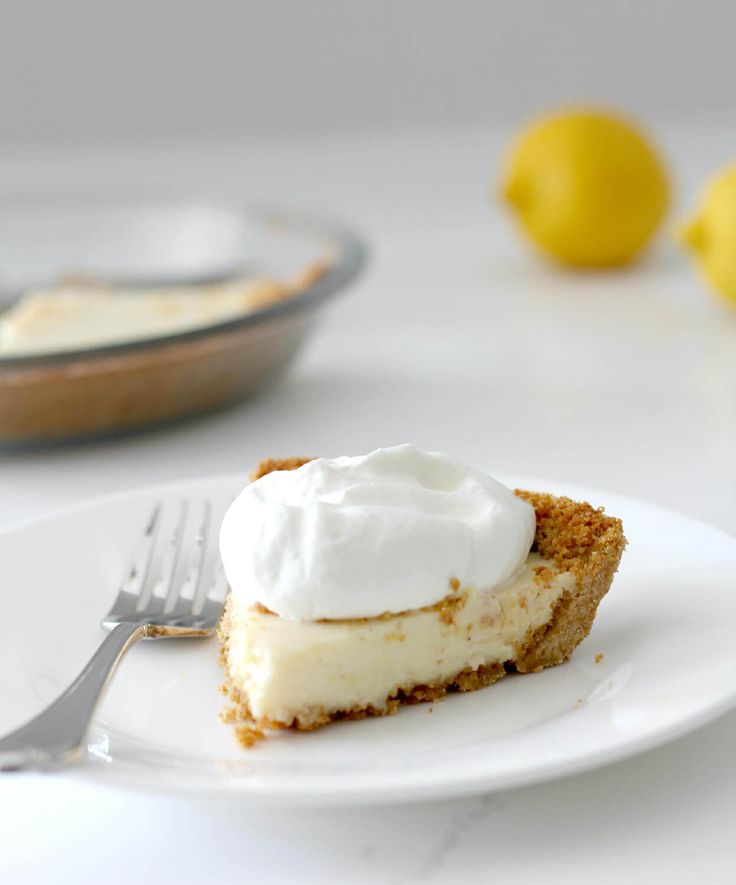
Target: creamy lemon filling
(68, 317)
(288, 670)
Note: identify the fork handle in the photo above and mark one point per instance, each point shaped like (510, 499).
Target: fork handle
(56, 737)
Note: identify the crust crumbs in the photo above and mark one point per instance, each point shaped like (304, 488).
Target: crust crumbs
(271, 464)
(543, 576)
(447, 608)
(261, 609)
(576, 537)
(248, 735)
(584, 541)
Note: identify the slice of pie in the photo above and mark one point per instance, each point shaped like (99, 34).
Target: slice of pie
(302, 674)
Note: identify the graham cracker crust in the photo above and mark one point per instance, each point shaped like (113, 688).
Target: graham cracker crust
(576, 537)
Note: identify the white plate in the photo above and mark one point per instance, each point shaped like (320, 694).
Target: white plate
(665, 630)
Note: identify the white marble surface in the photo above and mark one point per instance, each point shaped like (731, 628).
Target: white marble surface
(455, 339)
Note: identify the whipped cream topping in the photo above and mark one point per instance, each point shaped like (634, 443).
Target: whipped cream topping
(357, 537)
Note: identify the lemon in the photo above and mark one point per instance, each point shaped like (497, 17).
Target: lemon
(587, 188)
(711, 235)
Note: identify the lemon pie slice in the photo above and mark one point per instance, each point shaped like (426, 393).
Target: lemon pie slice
(360, 584)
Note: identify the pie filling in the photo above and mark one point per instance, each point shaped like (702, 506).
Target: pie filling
(285, 673)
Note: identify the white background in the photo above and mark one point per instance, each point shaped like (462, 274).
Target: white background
(395, 116)
(85, 69)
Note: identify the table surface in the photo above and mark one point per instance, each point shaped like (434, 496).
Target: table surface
(457, 339)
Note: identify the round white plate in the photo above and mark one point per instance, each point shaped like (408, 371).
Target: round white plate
(665, 632)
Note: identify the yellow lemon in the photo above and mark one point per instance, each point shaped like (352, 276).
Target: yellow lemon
(587, 187)
(712, 234)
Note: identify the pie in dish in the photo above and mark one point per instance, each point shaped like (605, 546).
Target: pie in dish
(89, 314)
(302, 660)
(90, 360)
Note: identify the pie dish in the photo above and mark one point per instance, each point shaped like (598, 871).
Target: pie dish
(281, 673)
(102, 390)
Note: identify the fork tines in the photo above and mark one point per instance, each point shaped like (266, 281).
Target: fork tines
(175, 578)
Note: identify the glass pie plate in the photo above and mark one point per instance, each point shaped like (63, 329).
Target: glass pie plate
(102, 390)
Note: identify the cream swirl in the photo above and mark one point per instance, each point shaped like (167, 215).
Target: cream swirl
(356, 537)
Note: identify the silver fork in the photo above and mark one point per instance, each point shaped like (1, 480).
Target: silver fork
(167, 593)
